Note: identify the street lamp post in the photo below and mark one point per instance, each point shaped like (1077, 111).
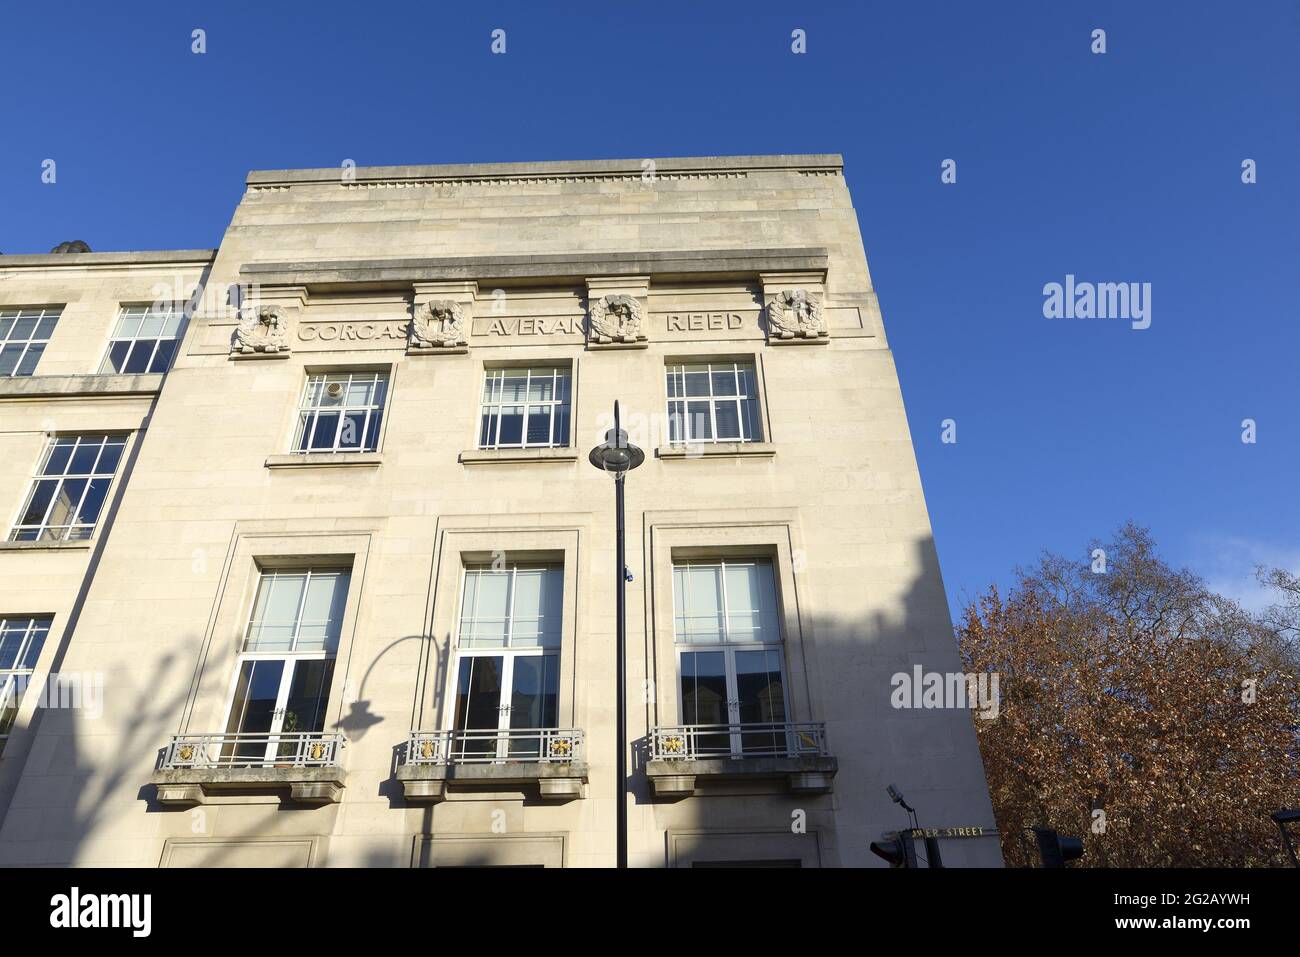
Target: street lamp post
(618, 457)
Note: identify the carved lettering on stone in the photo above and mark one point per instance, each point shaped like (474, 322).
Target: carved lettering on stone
(438, 323)
(794, 314)
(533, 326)
(615, 318)
(260, 329)
(704, 321)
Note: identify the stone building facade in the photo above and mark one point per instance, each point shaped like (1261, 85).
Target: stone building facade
(306, 564)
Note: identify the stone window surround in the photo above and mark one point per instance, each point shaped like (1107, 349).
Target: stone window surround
(686, 846)
(287, 459)
(250, 552)
(10, 343)
(35, 676)
(133, 435)
(473, 455)
(460, 545)
(498, 402)
(176, 849)
(312, 408)
(489, 850)
(728, 533)
(713, 399)
(110, 339)
(708, 352)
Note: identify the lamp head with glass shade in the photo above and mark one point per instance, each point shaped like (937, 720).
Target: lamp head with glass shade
(616, 455)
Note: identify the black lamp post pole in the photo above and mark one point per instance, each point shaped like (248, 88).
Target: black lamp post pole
(620, 769)
(617, 456)
(620, 580)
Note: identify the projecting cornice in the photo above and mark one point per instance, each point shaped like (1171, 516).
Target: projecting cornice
(675, 167)
(162, 257)
(694, 264)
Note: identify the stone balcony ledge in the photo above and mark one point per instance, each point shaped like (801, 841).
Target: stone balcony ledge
(553, 781)
(185, 787)
(683, 777)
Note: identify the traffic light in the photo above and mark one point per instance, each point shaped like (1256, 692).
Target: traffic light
(900, 851)
(1057, 851)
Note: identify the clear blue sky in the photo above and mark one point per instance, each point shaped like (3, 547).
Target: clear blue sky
(1119, 167)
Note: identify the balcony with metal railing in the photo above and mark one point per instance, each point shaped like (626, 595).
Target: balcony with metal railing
(681, 757)
(549, 759)
(304, 765)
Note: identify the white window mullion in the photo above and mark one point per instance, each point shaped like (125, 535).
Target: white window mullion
(523, 405)
(302, 605)
(510, 607)
(528, 408)
(75, 513)
(7, 681)
(555, 407)
(733, 692)
(338, 428)
(713, 402)
(503, 710)
(49, 509)
(726, 605)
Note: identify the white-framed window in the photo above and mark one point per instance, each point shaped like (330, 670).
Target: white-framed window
(713, 402)
(525, 407)
(730, 653)
(24, 334)
(144, 338)
(70, 488)
(286, 665)
(341, 412)
(507, 658)
(21, 640)
(297, 609)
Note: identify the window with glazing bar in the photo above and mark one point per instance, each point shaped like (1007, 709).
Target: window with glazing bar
(341, 412)
(730, 654)
(24, 334)
(286, 668)
(144, 339)
(69, 489)
(21, 640)
(525, 408)
(508, 658)
(713, 402)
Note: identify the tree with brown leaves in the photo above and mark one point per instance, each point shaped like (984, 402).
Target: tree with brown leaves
(1156, 720)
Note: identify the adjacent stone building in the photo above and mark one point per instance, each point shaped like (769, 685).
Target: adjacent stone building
(306, 564)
